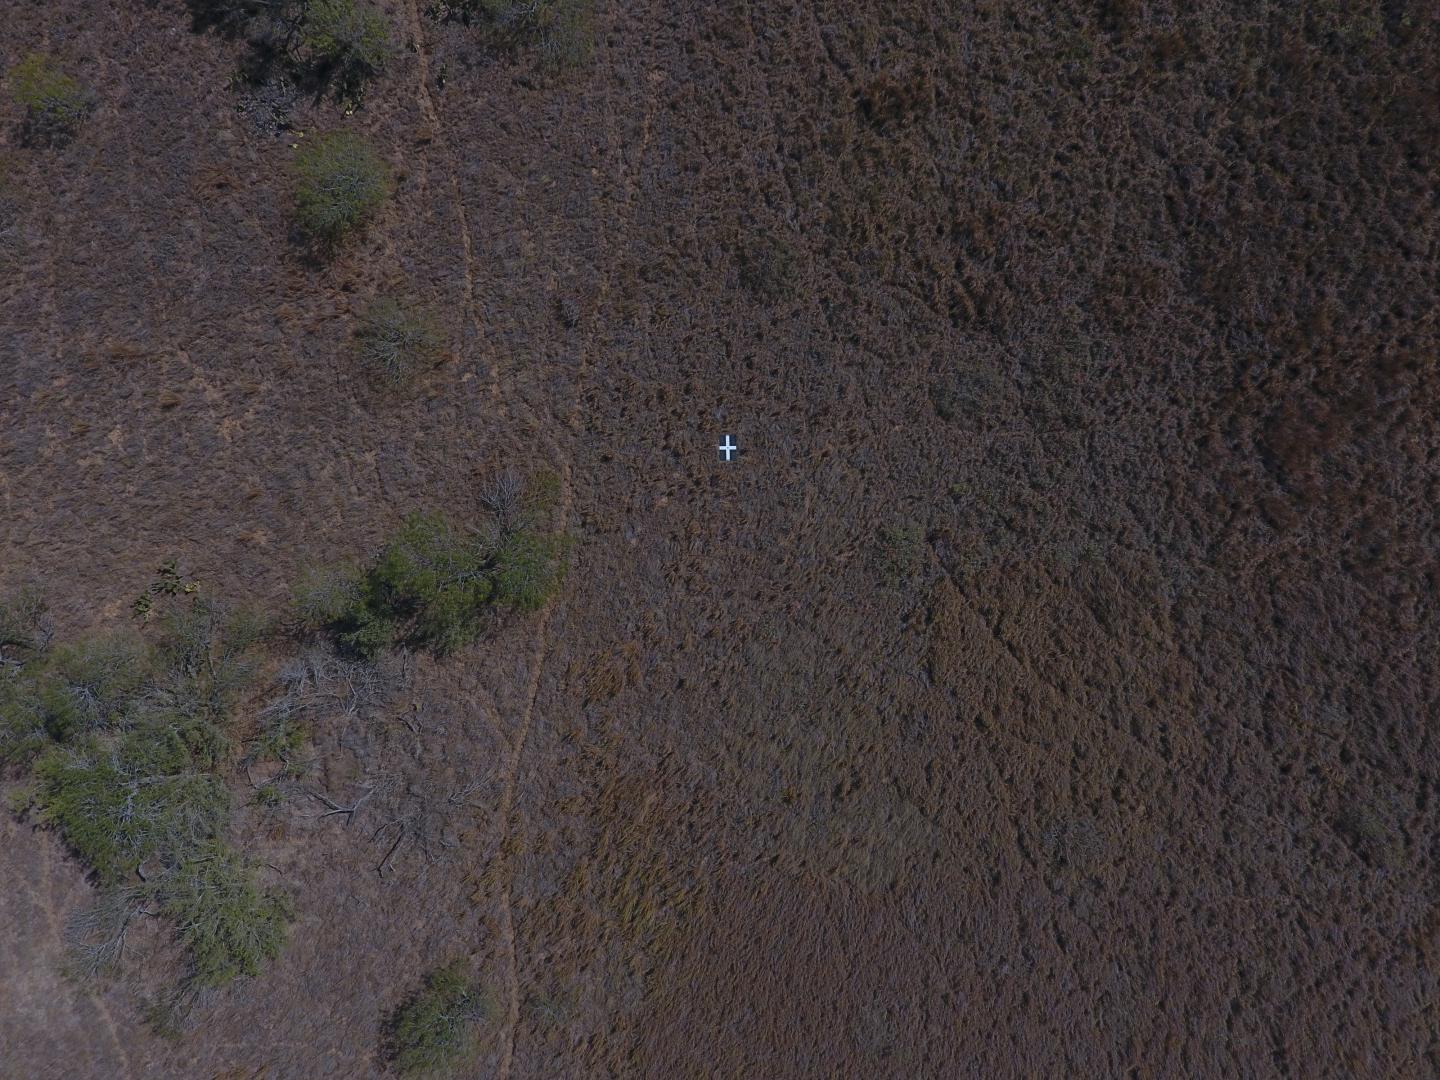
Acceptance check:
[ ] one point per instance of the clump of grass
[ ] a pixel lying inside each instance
(434, 1030)
(435, 585)
(55, 103)
(902, 552)
(351, 40)
(769, 267)
(395, 342)
(24, 626)
(341, 183)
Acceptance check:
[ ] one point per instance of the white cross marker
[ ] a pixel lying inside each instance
(727, 447)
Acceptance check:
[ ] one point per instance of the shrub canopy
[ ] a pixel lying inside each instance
(341, 182)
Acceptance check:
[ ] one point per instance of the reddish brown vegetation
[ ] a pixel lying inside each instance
(1130, 306)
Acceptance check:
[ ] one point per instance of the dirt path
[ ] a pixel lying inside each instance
(564, 460)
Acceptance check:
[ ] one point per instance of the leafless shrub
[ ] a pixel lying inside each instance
(95, 936)
(504, 496)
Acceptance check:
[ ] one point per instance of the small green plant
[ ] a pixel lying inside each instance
(341, 183)
(350, 39)
(55, 104)
(168, 582)
(434, 1030)
(395, 342)
(902, 552)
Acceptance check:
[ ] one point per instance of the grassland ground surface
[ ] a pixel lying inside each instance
(1004, 710)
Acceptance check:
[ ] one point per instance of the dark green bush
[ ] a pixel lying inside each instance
(341, 183)
(433, 578)
(55, 104)
(436, 586)
(434, 1030)
(119, 804)
(350, 39)
(395, 342)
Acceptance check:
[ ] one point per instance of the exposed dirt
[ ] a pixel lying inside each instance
(1130, 306)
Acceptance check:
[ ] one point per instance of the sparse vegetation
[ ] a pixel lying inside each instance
(124, 738)
(434, 1030)
(55, 103)
(395, 342)
(436, 585)
(341, 183)
(562, 30)
(902, 552)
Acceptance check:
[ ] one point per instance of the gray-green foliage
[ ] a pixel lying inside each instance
(228, 925)
(434, 1030)
(396, 341)
(123, 738)
(563, 31)
(350, 38)
(340, 183)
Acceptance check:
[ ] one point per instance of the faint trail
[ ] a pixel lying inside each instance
(563, 456)
(507, 805)
(542, 639)
(46, 900)
(432, 117)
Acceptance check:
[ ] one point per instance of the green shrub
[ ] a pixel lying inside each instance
(119, 804)
(349, 39)
(436, 586)
(325, 594)
(228, 926)
(341, 183)
(123, 739)
(529, 567)
(91, 685)
(396, 342)
(434, 577)
(435, 1029)
(206, 663)
(55, 104)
